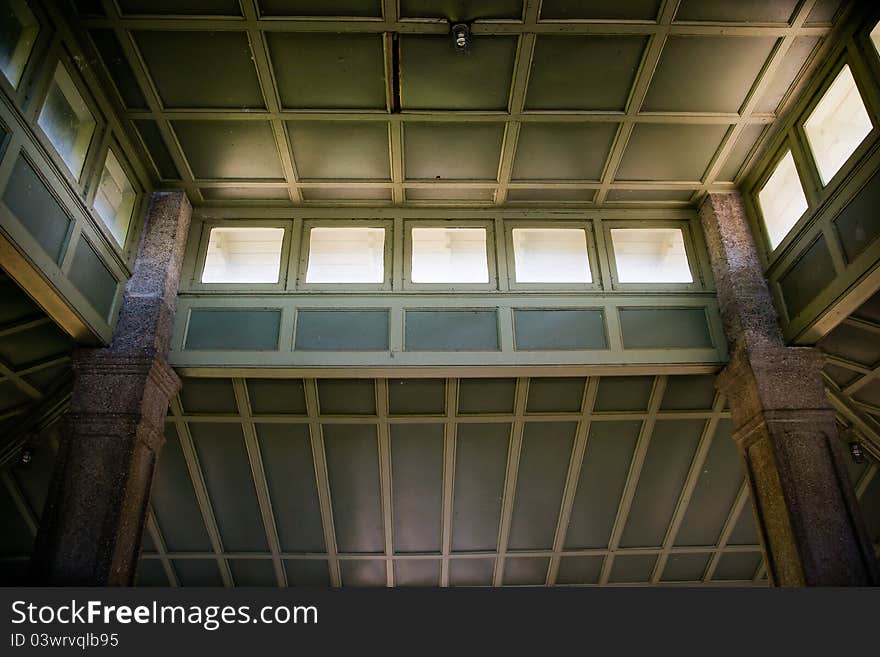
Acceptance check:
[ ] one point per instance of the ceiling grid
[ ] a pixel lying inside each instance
(477, 153)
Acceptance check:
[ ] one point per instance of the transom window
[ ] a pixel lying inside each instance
(243, 255)
(782, 200)
(346, 255)
(67, 121)
(650, 255)
(114, 200)
(18, 31)
(551, 255)
(449, 255)
(837, 125)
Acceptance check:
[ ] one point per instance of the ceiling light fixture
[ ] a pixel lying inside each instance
(461, 38)
(856, 451)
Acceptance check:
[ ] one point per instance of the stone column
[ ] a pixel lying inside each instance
(811, 528)
(93, 523)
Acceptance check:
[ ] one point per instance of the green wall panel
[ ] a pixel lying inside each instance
(338, 330)
(247, 330)
(451, 330)
(539, 330)
(37, 209)
(91, 277)
(858, 224)
(812, 273)
(664, 328)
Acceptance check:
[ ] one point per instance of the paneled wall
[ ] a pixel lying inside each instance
(52, 239)
(828, 263)
(396, 323)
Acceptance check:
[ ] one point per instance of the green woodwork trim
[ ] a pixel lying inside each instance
(46, 278)
(398, 222)
(850, 281)
(281, 356)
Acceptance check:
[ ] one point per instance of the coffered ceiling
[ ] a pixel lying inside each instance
(366, 102)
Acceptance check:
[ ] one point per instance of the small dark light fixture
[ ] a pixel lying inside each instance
(27, 455)
(461, 38)
(856, 451)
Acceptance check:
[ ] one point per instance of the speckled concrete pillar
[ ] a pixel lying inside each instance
(93, 523)
(810, 525)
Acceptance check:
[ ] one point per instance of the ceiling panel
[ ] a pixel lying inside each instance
(362, 8)
(230, 149)
(600, 9)
(562, 151)
(417, 472)
(480, 462)
(184, 67)
(461, 10)
(543, 464)
(188, 8)
(223, 457)
(435, 76)
(452, 151)
(290, 476)
(564, 75)
(346, 193)
(334, 149)
(670, 152)
(707, 74)
(343, 71)
(353, 472)
(552, 196)
(744, 11)
(417, 396)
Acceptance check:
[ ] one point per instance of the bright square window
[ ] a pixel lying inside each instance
(837, 125)
(18, 31)
(551, 255)
(782, 200)
(449, 255)
(243, 255)
(346, 255)
(67, 121)
(114, 200)
(650, 255)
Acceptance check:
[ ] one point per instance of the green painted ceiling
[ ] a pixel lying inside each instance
(34, 358)
(559, 102)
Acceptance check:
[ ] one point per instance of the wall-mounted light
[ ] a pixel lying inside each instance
(26, 456)
(461, 38)
(856, 451)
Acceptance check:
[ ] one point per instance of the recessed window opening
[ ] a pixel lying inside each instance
(346, 255)
(782, 200)
(837, 125)
(243, 255)
(650, 255)
(449, 255)
(551, 255)
(114, 200)
(67, 121)
(18, 31)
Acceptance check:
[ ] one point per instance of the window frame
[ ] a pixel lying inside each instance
(592, 255)
(78, 179)
(202, 253)
(800, 127)
(114, 148)
(487, 224)
(690, 250)
(305, 246)
(788, 145)
(36, 32)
